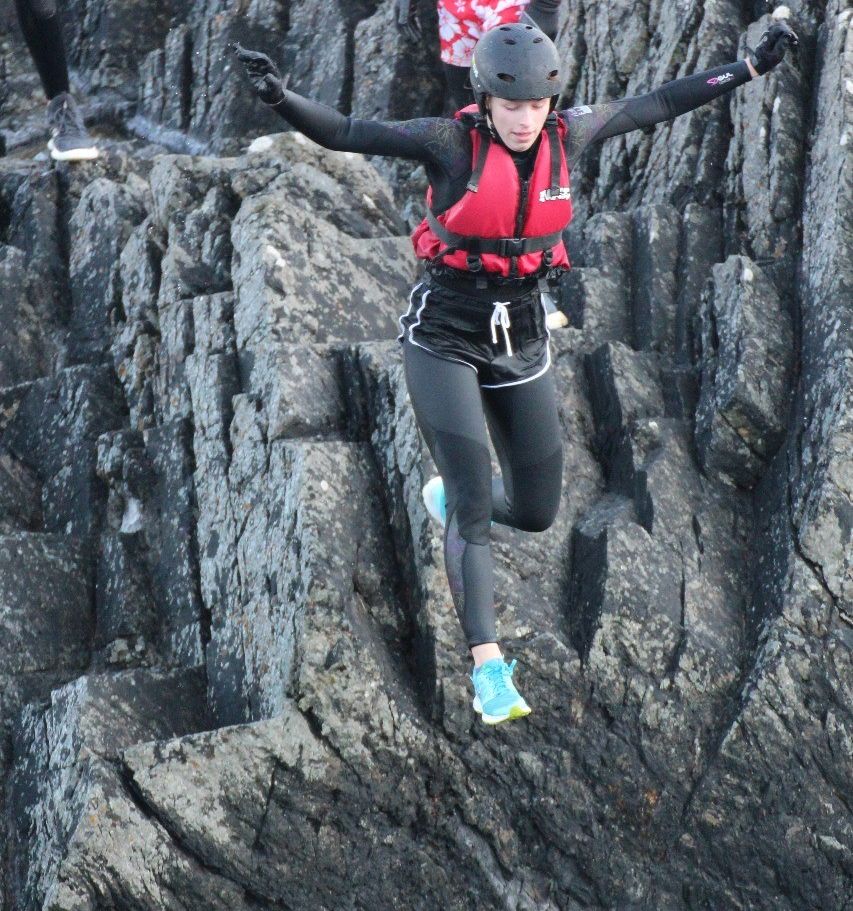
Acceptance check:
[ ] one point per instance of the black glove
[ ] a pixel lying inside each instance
(771, 47)
(264, 74)
(406, 17)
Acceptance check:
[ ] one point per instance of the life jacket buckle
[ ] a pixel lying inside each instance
(511, 246)
(474, 263)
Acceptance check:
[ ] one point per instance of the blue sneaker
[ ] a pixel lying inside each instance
(495, 697)
(434, 499)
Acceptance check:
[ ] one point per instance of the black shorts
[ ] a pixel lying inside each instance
(504, 342)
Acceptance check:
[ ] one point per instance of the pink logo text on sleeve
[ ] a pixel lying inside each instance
(719, 80)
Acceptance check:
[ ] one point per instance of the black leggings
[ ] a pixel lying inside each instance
(42, 28)
(452, 412)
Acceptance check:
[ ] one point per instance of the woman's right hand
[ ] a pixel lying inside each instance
(263, 73)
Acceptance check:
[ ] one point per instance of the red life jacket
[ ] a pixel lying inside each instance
(480, 230)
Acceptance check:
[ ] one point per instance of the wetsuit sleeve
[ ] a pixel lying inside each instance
(413, 139)
(589, 124)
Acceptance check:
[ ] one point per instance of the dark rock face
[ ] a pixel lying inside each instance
(747, 355)
(231, 673)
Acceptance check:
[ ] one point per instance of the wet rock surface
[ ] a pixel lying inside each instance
(231, 673)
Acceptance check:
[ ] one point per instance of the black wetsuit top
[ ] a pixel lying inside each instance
(444, 145)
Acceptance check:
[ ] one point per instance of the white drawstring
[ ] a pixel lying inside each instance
(500, 317)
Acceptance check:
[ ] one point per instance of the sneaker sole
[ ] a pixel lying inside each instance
(74, 154)
(436, 516)
(515, 711)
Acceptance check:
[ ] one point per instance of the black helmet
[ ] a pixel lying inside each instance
(515, 61)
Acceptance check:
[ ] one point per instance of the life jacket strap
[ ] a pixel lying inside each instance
(477, 173)
(554, 146)
(500, 246)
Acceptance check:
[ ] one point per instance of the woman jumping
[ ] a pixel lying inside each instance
(475, 343)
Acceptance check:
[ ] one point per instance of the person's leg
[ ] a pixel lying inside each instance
(525, 429)
(42, 28)
(448, 407)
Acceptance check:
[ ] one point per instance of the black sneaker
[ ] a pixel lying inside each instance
(69, 140)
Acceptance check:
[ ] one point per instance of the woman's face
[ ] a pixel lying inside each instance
(518, 123)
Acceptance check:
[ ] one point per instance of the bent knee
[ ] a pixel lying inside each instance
(539, 524)
(536, 520)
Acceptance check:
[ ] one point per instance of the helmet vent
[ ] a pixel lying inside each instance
(553, 74)
(505, 28)
(505, 77)
(538, 40)
(510, 41)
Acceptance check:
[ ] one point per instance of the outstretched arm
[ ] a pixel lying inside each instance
(397, 139)
(593, 123)
(413, 139)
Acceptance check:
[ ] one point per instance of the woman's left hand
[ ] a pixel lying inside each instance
(772, 46)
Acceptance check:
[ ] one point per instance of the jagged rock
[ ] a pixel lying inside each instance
(127, 879)
(222, 106)
(394, 79)
(598, 292)
(624, 389)
(690, 741)
(340, 187)
(306, 399)
(657, 576)
(747, 354)
(133, 339)
(794, 718)
(765, 159)
(128, 167)
(61, 748)
(316, 51)
(702, 246)
(20, 496)
(287, 769)
(100, 226)
(54, 433)
(167, 79)
(276, 562)
(169, 505)
(124, 603)
(23, 354)
(378, 403)
(32, 227)
(106, 39)
(820, 477)
(197, 212)
(679, 160)
(300, 278)
(656, 247)
(45, 615)
(612, 585)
